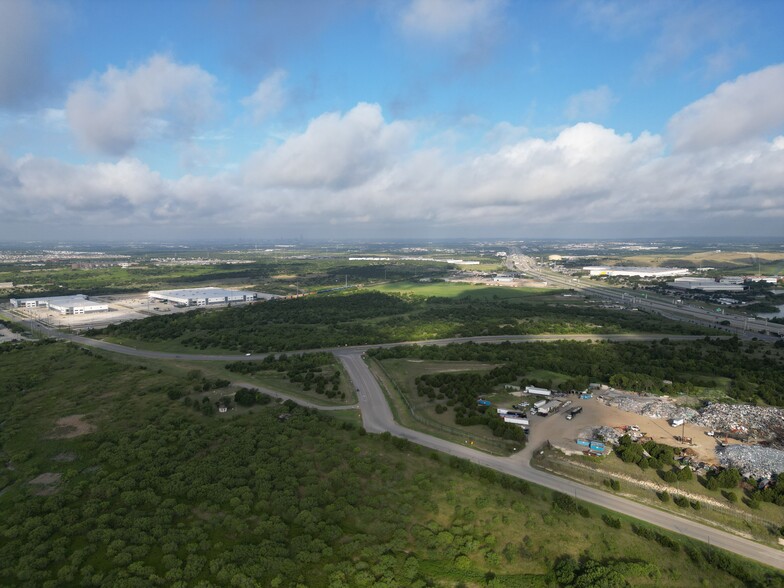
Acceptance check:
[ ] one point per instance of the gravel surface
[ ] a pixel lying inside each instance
(753, 461)
(742, 421)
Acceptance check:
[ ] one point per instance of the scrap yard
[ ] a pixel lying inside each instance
(750, 438)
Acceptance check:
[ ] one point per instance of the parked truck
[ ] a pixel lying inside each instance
(574, 412)
(516, 421)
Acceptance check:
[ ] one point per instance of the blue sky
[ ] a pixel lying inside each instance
(394, 118)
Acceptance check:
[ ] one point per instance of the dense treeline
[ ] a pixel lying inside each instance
(319, 371)
(670, 367)
(373, 317)
(460, 392)
(157, 494)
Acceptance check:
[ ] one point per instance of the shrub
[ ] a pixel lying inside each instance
(613, 522)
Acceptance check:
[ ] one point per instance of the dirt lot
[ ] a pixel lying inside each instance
(45, 484)
(7, 335)
(562, 432)
(71, 426)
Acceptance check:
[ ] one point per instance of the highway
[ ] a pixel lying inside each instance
(377, 418)
(747, 327)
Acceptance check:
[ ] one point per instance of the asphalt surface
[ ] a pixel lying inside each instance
(377, 418)
(747, 327)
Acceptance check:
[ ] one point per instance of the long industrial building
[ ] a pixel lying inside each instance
(76, 304)
(205, 296)
(641, 272)
(708, 284)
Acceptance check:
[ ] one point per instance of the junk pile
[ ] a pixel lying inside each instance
(753, 461)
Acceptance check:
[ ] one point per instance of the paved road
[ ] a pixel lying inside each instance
(377, 418)
(747, 327)
(300, 401)
(126, 350)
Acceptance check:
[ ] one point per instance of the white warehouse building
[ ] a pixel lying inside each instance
(642, 272)
(707, 285)
(76, 304)
(205, 296)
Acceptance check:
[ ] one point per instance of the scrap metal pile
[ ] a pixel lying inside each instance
(753, 461)
(759, 422)
(650, 406)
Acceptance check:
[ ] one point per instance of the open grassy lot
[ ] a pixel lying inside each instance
(725, 260)
(420, 413)
(110, 482)
(763, 523)
(453, 290)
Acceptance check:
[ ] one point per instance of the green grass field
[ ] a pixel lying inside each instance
(460, 290)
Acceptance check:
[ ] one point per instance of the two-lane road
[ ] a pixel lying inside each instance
(377, 418)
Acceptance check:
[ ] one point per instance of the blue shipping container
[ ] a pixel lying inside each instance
(586, 396)
(483, 402)
(584, 442)
(597, 446)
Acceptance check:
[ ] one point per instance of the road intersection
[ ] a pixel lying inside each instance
(377, 417)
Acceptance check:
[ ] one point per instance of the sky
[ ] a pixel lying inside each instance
(336, 119)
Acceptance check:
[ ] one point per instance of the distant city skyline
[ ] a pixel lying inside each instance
(217, 120)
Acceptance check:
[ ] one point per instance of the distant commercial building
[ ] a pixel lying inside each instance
(205, 296)
(641, 272)
(707, 284)
(76, 304)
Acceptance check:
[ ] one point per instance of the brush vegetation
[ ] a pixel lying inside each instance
(141, 490)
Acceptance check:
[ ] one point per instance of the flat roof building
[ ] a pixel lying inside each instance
(206, 296)
(706, 284)
(76, 304)
(642, 272)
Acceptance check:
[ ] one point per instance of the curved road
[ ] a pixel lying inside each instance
(377, 418)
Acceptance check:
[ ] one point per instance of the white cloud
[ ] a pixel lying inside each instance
(446, 19)
(334, 151)
(113, 112)
(745, 108)
(268, 98)
(360, 174)
(590, 104)
(468, 29)
(26, 32)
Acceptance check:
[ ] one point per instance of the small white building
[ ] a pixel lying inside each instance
(537, 391)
